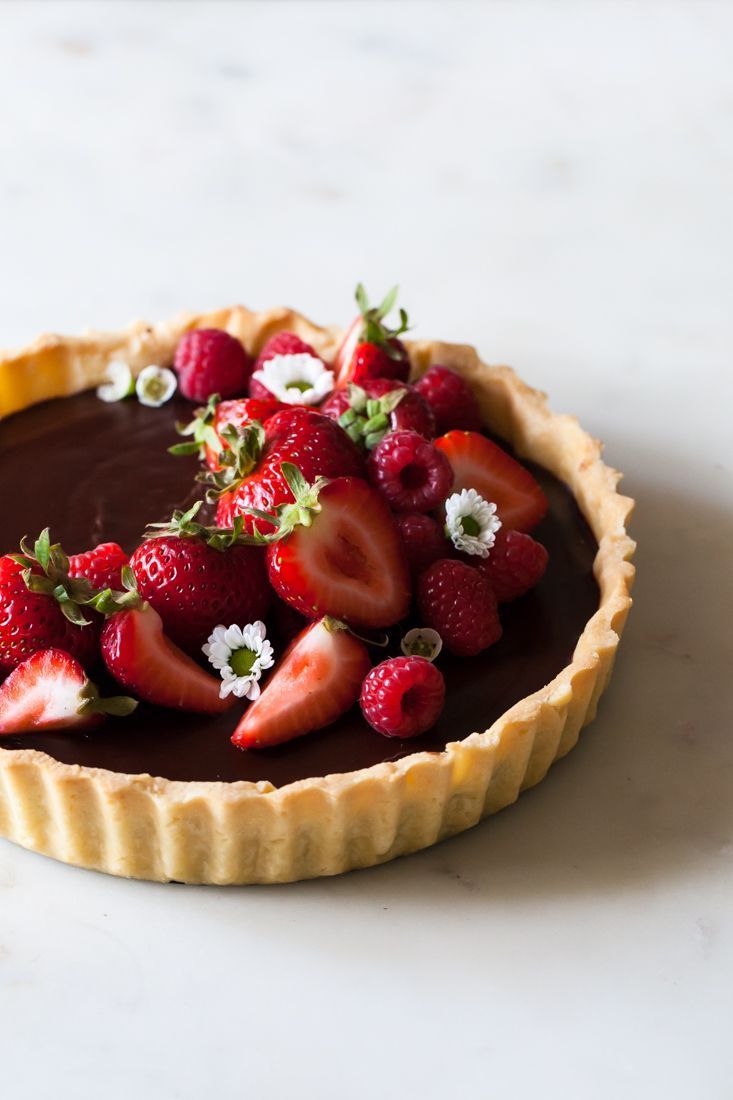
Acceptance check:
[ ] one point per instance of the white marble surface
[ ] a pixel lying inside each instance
(553, 183)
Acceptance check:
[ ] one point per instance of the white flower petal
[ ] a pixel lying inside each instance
(119, 382)
(422, 641)
(155, 385)
(234, 637)
(299, 379)
(483, 513)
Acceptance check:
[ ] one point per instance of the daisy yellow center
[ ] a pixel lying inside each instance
(470, 526)
(300, 386)
(241, 662)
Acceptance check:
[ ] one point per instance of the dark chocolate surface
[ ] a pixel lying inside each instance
(96, 473)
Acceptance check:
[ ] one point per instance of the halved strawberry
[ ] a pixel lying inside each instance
(50, 691)
(142, 659)
(370, 349)
(339, 553)
(317, 680)
(481, 465)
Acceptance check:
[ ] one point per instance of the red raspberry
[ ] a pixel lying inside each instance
(413, 414)
(403, 697)
(282, 343)
(423, 540)
(372, 361)
(459, 603)
(516, 563)
(101, 566)
(451, 399)
(209, 360)
(410, 473)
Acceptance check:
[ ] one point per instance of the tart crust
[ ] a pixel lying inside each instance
(147, 827)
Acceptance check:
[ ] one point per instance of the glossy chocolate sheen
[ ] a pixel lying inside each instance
(95, 473)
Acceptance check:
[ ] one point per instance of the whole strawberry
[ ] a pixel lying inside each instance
(516, 563)
(302, 436)
(101, 566)
(209, 360)
(458, 602)
(42, 607)
(207, 431)
(380, 405)
(451, 399)
(370, 349)
(199, 577)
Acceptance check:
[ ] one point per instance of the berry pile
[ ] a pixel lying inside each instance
(350, 505)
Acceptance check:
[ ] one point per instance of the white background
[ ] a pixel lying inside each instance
(552, 182)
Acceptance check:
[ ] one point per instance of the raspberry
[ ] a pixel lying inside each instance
(410, 473)
(372, 361)
(413, 414)
(209, 360)
(101, 566)
(423, 540)
(403, 697)
(451, 400)
(282, 343)
(516, 563)
(458, 602)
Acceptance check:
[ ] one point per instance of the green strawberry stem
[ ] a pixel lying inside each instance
(374, 330)
(241, 453)
(92, 702)
(71, 593)
(202, 431)
(366, 421)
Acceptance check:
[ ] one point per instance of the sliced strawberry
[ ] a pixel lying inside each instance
(142, 659)
(481, 465)
(317, 680)
(348, 346)
(50, 691)
(370, 349)
(348, 561)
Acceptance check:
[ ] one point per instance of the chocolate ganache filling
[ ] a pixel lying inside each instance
(96, 472)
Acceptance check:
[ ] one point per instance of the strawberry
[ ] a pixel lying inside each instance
(209, 436)
(50, 691)
(209, 360)
(100, 566)
(143, 660)
(337, 551)
(253, 479)
(197, 577)
(282, 343)
(481, 465)
(317, 680)
(370, 349)
(368, 412)
(42, 607)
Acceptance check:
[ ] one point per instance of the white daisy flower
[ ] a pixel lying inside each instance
(422, 642)
(471, 522)
(296, 379)
(239, 654)
(155, 385)
(118, 383)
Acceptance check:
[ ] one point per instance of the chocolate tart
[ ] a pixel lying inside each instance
(164, 795)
